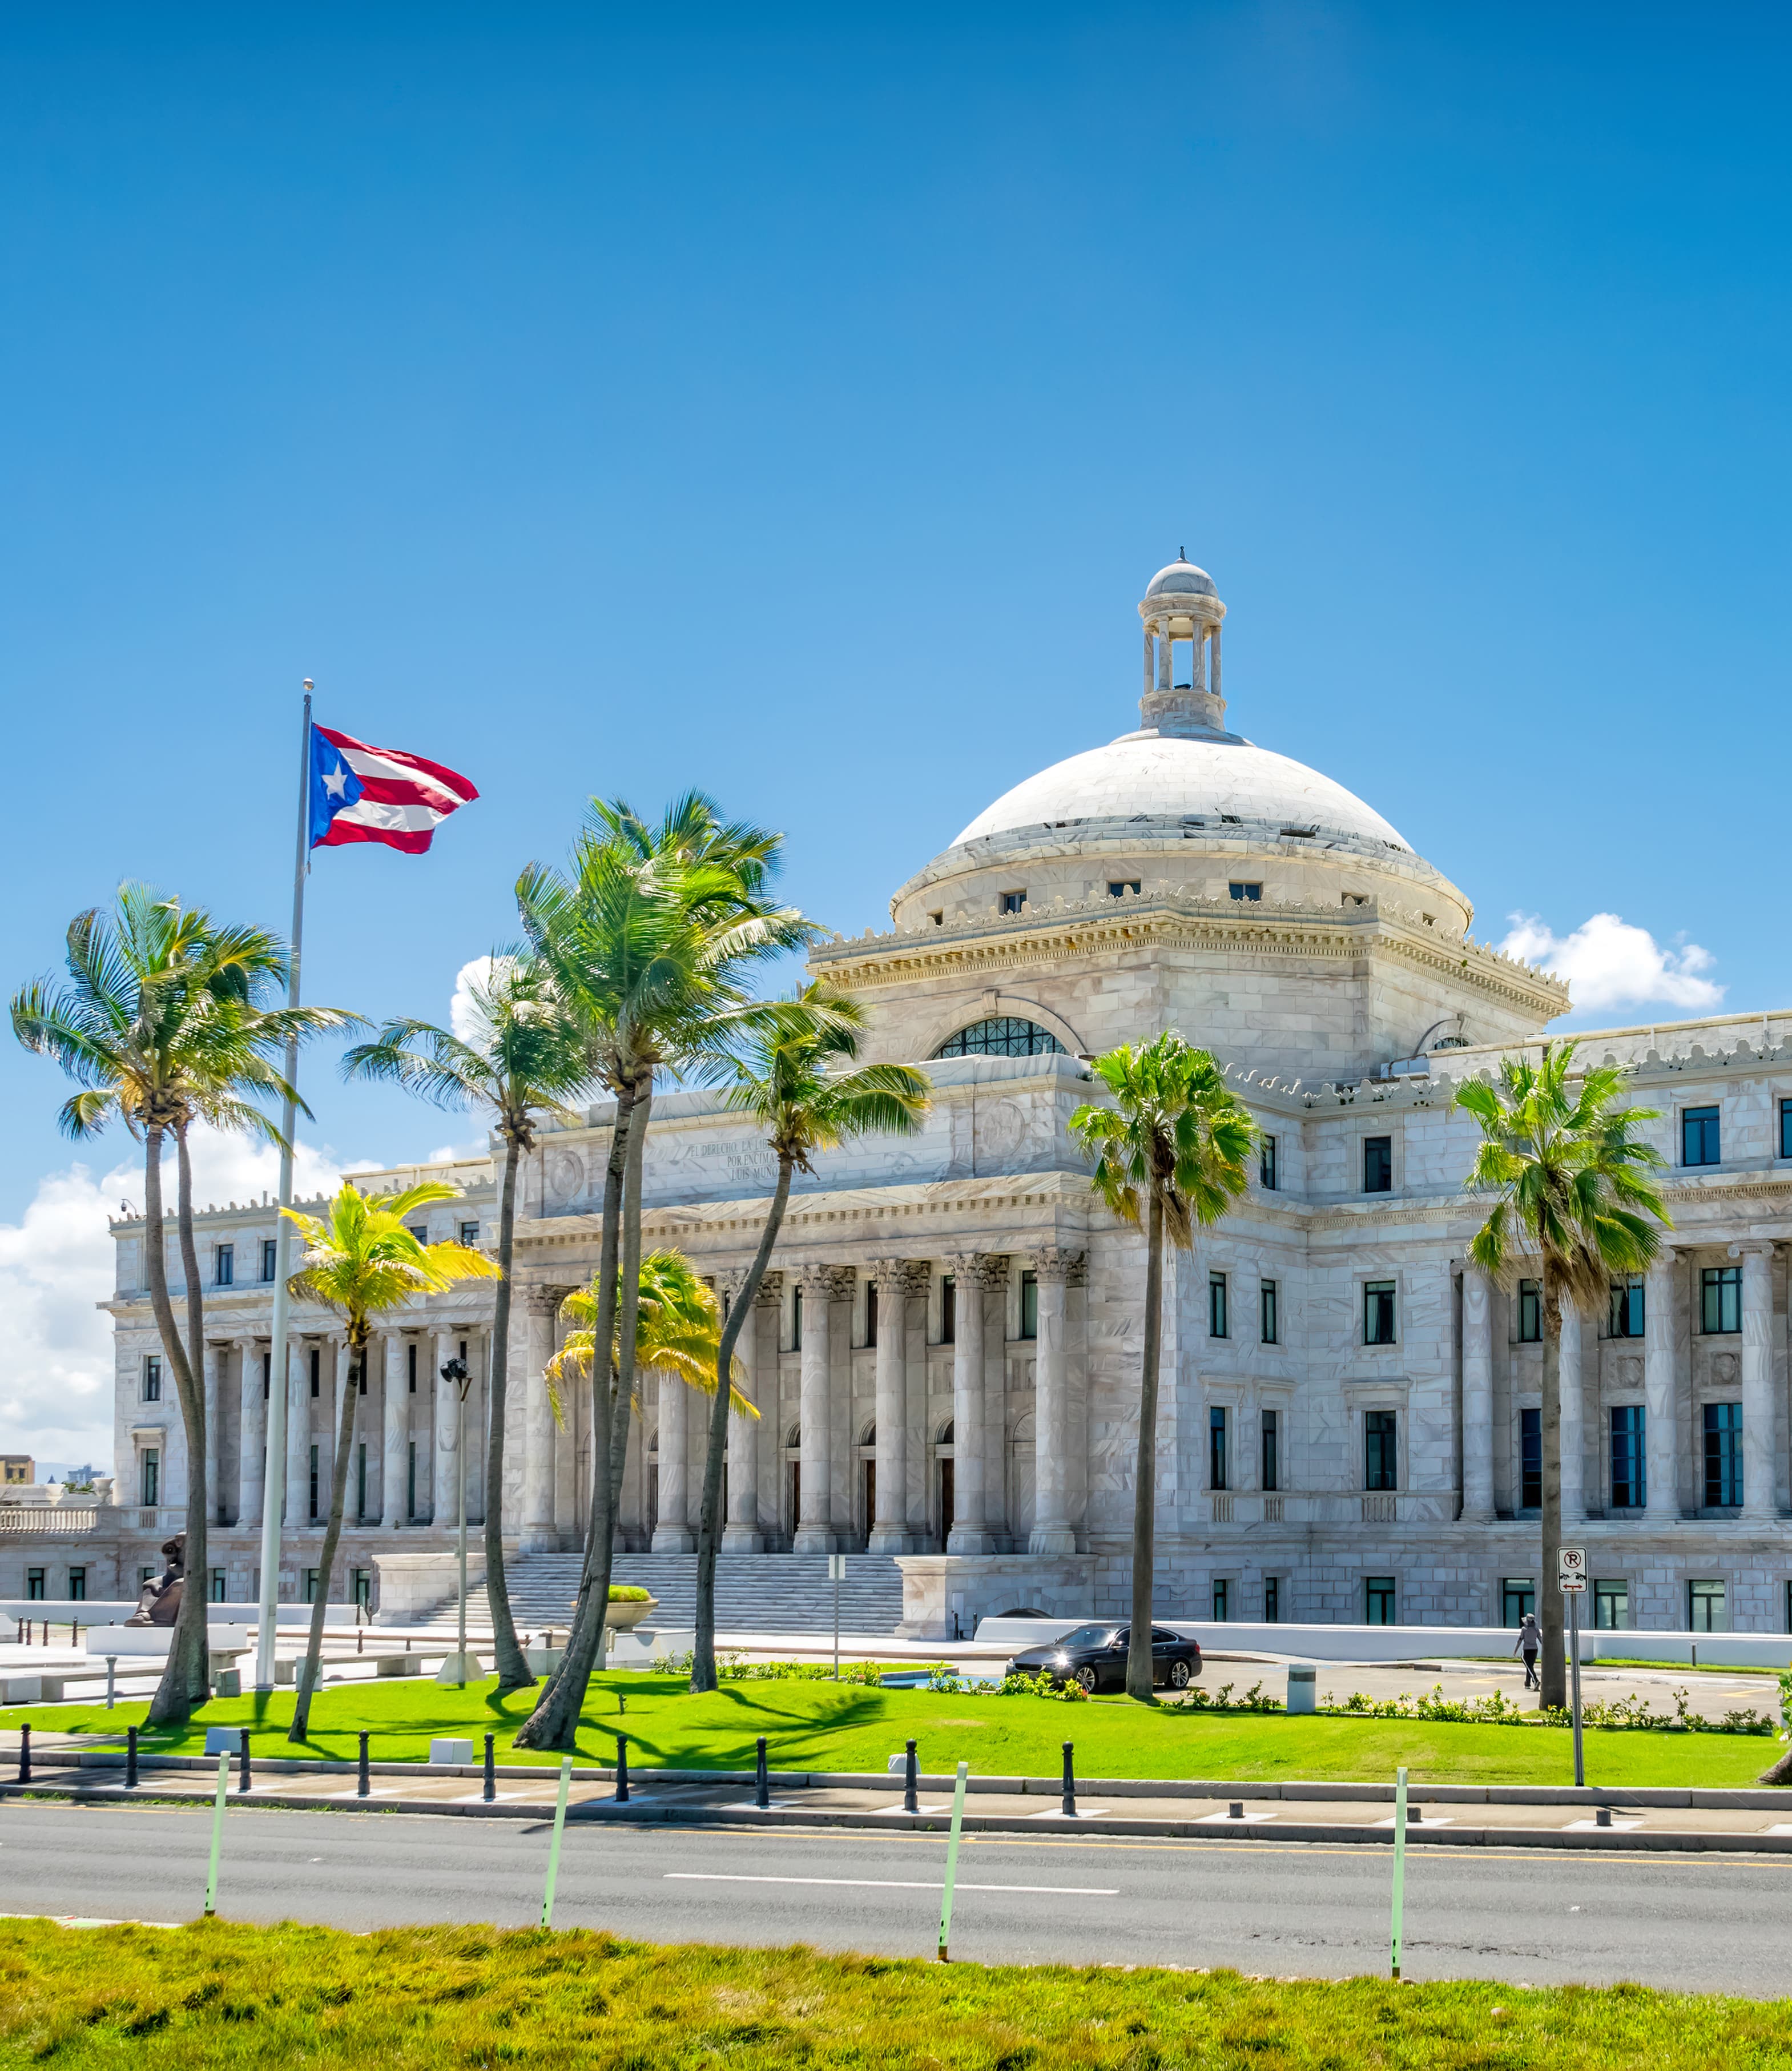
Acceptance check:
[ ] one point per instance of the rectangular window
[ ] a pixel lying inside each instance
(1630, 1489)
(224, 1269)
(1272, 1453)
(1217, 1321)
(362, 1579)
(151, 1477)
(1705, 1607)
(220, 1585)
(1785, 1129)
(1378, 1312)
(270, 1258)
(1381, 1453)
(1720, 1303)
(360, 1484)
(1378, 1600)
(267, 1377)
(948, 1308)
(1698, 1136)
(420, 1230)
(77, 1586)
(310, 1586)
(870, 1313)
(1266, 1164)
(317, 1372)
(1011, 902)
(1251, 892)
(34, 1585)
(152, 1379)
(1611, 1606)
(313, 1483)
(1723, 1454)
(411, 1483)
(1378, 1164)
(411, 1366)
(1517, 1600)
(1269, 1321)
(1628, 1313)
(470, 1233)
(1216, 1448)
(1119, 886)
(1530, 1313)
(1222, 1600)
(1530, 1450)
(1029, 1305)
(1272, 1601)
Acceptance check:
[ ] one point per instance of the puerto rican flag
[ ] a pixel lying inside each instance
(360, 794)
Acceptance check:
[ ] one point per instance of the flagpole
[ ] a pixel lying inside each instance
(273, 1478)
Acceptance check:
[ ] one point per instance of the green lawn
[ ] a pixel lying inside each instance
(852, 1726)
(148, 1999)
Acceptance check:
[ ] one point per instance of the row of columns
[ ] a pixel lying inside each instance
(1661, 1364)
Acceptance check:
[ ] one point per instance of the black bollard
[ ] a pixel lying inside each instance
(911, 1782)
(492, 1767)
(130, 1758)
(621, 1769)
(364, 1783)
(25, 1754)
(761, 1780)
(1070, 1779)
(242, 1768)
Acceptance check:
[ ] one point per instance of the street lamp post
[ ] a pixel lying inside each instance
(462, 1667)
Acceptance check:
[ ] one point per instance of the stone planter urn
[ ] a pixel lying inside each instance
(625, 1617)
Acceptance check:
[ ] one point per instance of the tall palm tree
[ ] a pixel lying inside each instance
(650, 939)
(361, 1259)
(678, 1329)
(1171, 1154)
(792, 1072)
(164, 1021)
(1578, 1208)
(523, 1060)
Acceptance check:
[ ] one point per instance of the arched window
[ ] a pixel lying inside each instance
(1001, 1035)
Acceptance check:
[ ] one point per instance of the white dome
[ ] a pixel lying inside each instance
(1182, 579)
(1165, 776)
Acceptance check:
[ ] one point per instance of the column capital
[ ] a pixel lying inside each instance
(542, 1300)
(1055, 1264)
(1753, 1246)
(828, 1283)
(898, 1277)
(987, 1269)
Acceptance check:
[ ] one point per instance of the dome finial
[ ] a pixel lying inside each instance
(1181, 605)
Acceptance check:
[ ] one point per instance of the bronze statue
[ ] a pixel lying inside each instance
(158, 1601)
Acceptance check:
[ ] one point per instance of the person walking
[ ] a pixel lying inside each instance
(1529, 1643)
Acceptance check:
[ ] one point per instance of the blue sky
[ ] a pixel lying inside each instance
(793, 402)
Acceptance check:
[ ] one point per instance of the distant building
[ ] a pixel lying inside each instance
(17, 1467)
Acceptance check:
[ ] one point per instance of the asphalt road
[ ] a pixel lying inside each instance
(1309, 1910)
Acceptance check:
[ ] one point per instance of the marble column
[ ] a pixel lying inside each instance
(740, 1531)
(822, 1286)
(333, 1378)
(1478, 1461)
(214, 1356)
(298, 1435)
(446, 1397)
(972, 1274)
(1053, 1530)
(538, 1534)
(1213, 663)
(1165, 681)
(1660, 1299)
(251, 1435)
(672, 1525)
(1759, 1496)
(394, 1479)
(1571, 1386)
(896, 1280)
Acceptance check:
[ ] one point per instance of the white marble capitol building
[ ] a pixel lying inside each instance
(946, 1361)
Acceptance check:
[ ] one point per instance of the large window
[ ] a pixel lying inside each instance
(1378, 1312)
(1001, 1035)
(1378, 1600)
(1517, 1599)
(1720, 1299)
(1628, 1313)
(150, 1477)
(77, 1586)
(1705, 1607)
(1723, 1454)
(1530, 1313)
(1216, 1448)
(1785, 1129)
(35, 1592)
(1222, 1599)
(1011, 902)
(270, 1258)
(1530, 1451)
(220, 1585)
(1029, 1305)
(1630, 1490)
(1272, 1600)
(1699, 1144)
(1250, 892)
(949, 1308)
(224, 1265)
(152, 1379)
(1380, 1451)
(1266, 1162)
(871, 1314)
(1217, 1319)
(1611, 1606)
(1272, 1452)
(1378, 1164)
(796, 1319)
(1268, 1319)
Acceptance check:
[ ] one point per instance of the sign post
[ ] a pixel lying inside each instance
(1572, 1580)
(837, 1574)
(1398, 1925)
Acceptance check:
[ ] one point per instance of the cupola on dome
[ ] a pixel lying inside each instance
(1181, 579)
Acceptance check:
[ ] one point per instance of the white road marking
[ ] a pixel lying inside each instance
(890, 1883)
(1226, 1819)
(1431, 1819)
(1082, 1812)
(1593, 1827)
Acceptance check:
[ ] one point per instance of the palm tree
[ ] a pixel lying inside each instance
(649, 940)
(1578, 1209)
(677, 1331)
(523, 1059)
(361, 1259)
(1171, 1152)
(162, 1023)
(792, 1073)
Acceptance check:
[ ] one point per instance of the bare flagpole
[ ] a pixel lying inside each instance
(274, 1477)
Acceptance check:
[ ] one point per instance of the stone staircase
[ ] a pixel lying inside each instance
(754, 1592)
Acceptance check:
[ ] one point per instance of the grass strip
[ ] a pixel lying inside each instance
(224, 1995)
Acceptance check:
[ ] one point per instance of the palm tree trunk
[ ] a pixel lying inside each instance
(189, 1641)
(332, 1533)
(554, 1722)
(1554, 1673)
(709, 1522)
(1144, 1483)
(173, 1702)
(513, 1671)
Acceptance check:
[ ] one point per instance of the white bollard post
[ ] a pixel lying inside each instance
(217, 1835)
(1400, 1872)
(554, 1846)
(952, 1859)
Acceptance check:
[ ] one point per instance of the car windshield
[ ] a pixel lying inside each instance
(1088, 1635)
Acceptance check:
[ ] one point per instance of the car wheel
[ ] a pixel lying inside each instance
(1086, 1677)
(1178, 1674)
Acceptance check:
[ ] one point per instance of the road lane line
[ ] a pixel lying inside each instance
(889, 1883)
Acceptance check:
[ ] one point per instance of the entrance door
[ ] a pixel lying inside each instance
(796, 1496)
(949, 1509)
(870, 1494)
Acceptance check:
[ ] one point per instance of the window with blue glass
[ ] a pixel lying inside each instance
(1699, 1143)
(1380, 1450)
(1268, 1312)
(1378, 1164)
(1216, 1316)
(1627, 1312)
(1785, 1129)
(1723, 1454)
(1517, 1600)
(1530, 1453)
(1378, 1600)
(1530, 1313)
(223, 1273)
(1705, 1607)
(1266, 1162)
(1720, 1300)
(270, 1258)
(1000, 1035)
(1216, 1448)
(1629, 1490)
(1378, 1312)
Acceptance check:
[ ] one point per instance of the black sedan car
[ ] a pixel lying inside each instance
(1095, 1655)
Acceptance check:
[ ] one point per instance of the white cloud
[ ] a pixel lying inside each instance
(1609, 963)
(465, 1015)
(56, 1263)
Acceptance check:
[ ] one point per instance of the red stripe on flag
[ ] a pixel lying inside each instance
(461, 788)
(340, 832)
